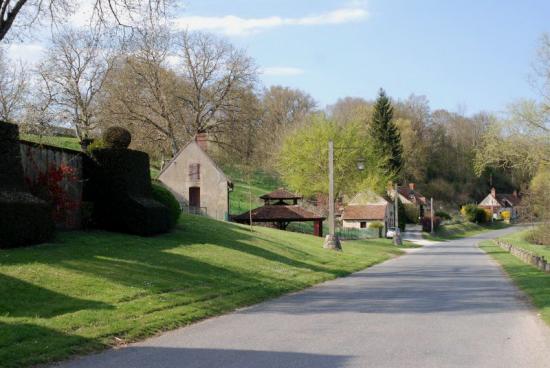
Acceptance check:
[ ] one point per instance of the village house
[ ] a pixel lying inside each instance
(498, 203)
(197, 182)
(409, 196)
(366, 208)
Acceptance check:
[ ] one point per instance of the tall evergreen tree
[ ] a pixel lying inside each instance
(385, 135)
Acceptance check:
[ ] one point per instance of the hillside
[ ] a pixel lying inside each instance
(62, 142)
(90, 290)
(258, 183)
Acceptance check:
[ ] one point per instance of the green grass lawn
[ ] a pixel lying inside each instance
(463, 230)
(535, 283)
(519, 239)
(90, 290)
(62, 142)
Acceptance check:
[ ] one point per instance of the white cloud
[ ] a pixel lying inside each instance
(232, 25)
(281, 71)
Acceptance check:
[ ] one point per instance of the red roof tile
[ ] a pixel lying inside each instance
(365, 212)
(278, 213)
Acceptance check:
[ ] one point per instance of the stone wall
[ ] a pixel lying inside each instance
(525, 255)
(38, 159)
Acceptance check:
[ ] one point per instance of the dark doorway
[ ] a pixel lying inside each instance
(194, 197)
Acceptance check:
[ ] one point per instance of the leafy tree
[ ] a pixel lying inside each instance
(385, 135)
(303, 161)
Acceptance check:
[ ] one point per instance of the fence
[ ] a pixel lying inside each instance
(343, 233)
(59, 172)
(525, 255)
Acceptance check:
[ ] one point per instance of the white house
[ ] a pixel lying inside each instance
(197, 182)
(497, 203)
(366, 208)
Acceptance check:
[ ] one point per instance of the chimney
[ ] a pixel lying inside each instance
(202, 141)
(493, 192)
(412, 186)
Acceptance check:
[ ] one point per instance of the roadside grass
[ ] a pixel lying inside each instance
(90, 290)
(519, 239)
(463, 230)
(535, 283)
(61, 142)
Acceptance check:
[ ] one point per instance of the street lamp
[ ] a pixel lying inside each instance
(331, 240)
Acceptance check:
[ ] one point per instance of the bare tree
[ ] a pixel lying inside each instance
(215, 74)
(25, 13)
(74, 72)
(13, 88)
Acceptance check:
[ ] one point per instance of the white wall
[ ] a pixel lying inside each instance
(212, 182)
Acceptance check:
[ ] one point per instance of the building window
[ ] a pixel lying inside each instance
(194, 172)
(363, 225)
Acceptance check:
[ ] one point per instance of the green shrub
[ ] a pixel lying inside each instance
(473, 213)
(376, 225)
(412, 214)
(96, 144)
(165, 197)
(117, 137)
(443, 215)
(402, 216)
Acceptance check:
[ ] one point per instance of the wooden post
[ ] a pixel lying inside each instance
(432, 215)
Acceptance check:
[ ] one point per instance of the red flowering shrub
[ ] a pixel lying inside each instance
(50, 186)
(427, 223)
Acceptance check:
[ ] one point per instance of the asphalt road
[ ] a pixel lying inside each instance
(445, 305)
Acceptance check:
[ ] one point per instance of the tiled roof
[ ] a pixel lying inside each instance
(412, 195)
(278, 213)
(513, 199)
(280, 193)
(365, 212)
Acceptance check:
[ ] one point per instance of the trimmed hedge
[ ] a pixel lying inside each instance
(24, 219)
(412, 213)
(443, 215)
(164, 196)
(427, 223)
(473, 213)
(120, 187)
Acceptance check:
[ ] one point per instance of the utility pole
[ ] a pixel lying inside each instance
(331, 240)
(397, 236)
(432, 215)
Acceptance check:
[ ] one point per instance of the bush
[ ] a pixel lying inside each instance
(505, 215)
(427, 223)
(402, 215)
(473, 213)
(443, 215)
(26, 220)
(96, 144)
(117, 137)
(376, 225)
(412, 214)
(165, 197)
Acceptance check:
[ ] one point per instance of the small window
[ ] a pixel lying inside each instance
(194, 172)
(363, 224)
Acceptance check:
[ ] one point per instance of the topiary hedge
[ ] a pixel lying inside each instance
(119, 185)
(24, 219)
(443, 215)
(164, 196)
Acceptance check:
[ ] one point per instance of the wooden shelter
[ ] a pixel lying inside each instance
(281, 208)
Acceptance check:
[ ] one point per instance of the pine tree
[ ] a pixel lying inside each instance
(385, 135)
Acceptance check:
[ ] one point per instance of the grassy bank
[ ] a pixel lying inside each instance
(535, 283)
(519, 239)
(463, 230)
(90, 290)
(62, 142)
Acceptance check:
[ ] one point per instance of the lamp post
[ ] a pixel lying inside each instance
(331, 240)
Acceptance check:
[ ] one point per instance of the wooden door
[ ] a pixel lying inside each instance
(194, 197)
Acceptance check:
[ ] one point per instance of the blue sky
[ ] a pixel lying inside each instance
(461, 54)
(468, 55)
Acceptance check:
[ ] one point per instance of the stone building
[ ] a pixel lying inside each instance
(197, 182)
(366, 208)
